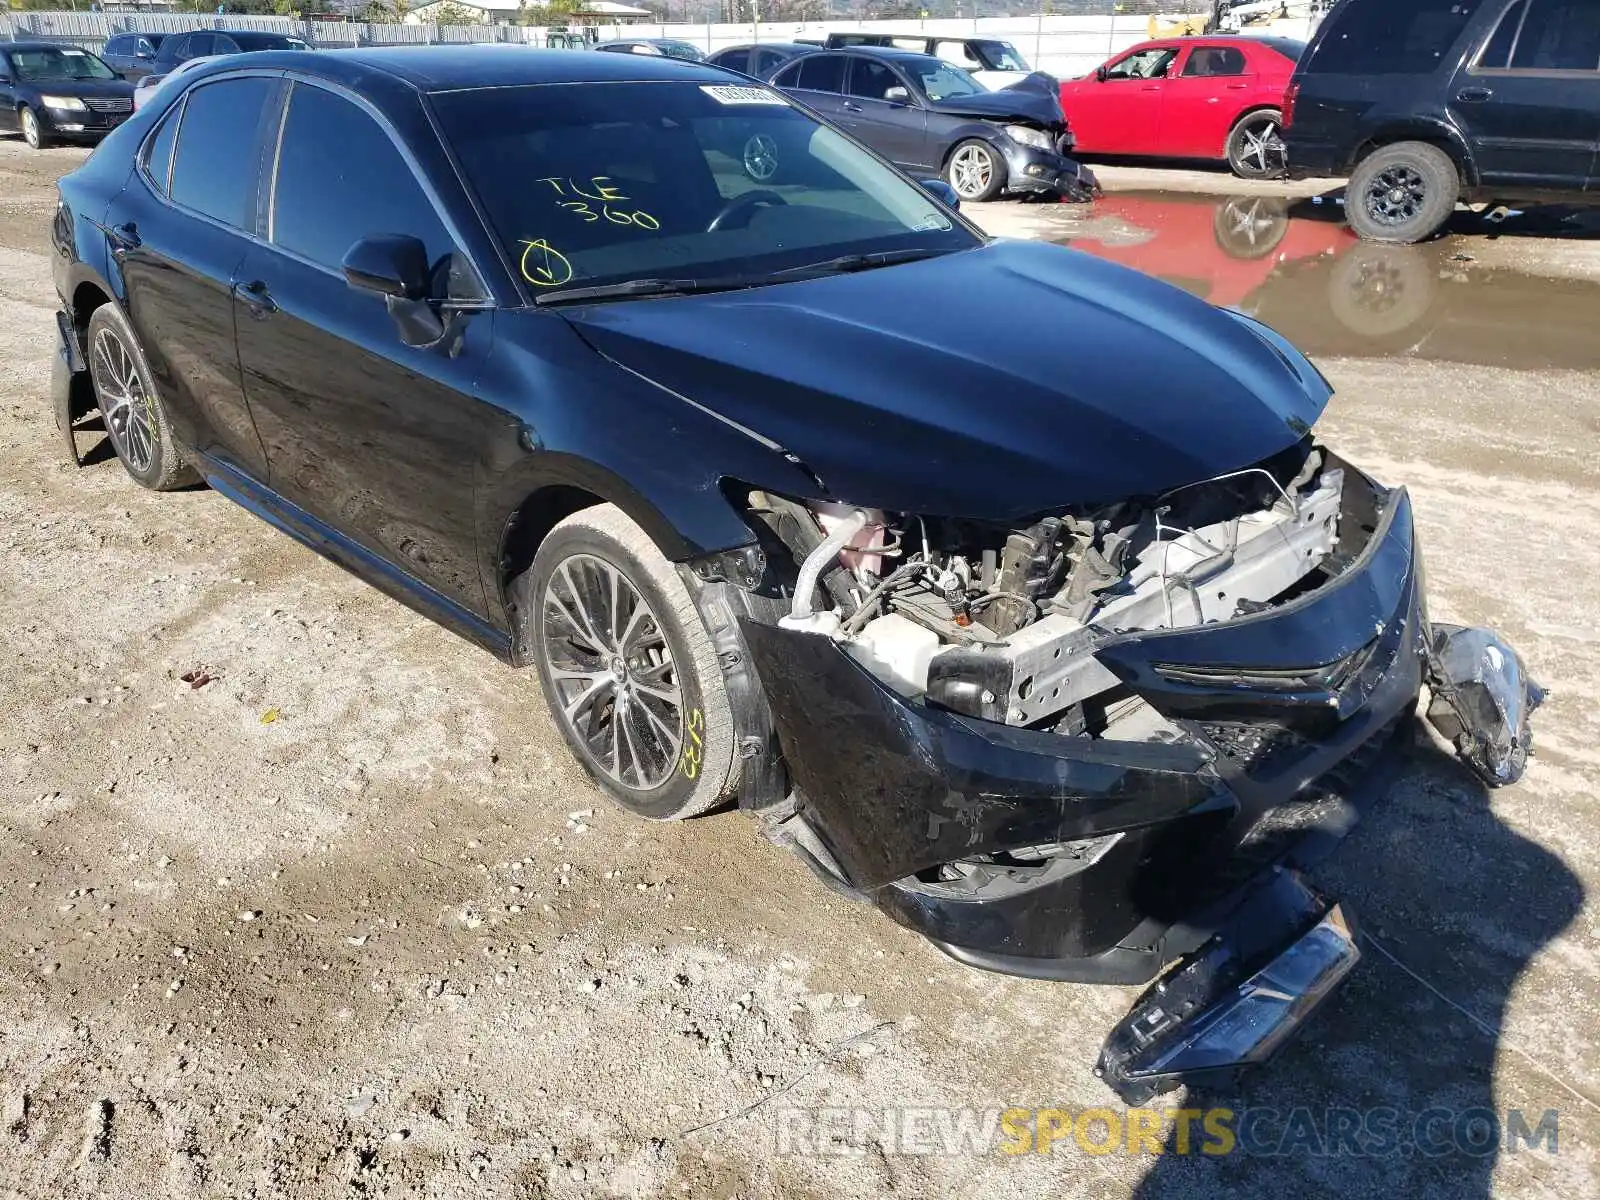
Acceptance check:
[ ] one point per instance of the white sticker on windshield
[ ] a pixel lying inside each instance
(733, 94)
(74, 54)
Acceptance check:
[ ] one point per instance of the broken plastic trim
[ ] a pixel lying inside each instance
(1482, 701)
(1237, 1000)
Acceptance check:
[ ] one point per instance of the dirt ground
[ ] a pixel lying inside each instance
(349, 922)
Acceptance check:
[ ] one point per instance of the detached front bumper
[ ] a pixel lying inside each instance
(1102, 861)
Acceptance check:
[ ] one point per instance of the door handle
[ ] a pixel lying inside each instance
(851, 106)
(1237, 87)
(1151, 87)
(1474, 95)
(255, 296)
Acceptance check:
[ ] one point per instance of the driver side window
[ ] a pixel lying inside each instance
(1143, 64)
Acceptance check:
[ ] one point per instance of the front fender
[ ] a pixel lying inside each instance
(1440, 130)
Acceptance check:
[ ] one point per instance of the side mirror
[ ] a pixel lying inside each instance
(1100, 74)
(942, 192)
(395, 267)
(897, 95)
(389, 264)
(145, 54)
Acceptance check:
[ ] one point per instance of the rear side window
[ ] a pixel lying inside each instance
(1215, 60)
(158, 155)
(199, 44)
(214, 165)
(736, 60)
(822, 73)
(1546, 35)
(767, 60)
(1381, 37)
(341, 179)
(117, 45)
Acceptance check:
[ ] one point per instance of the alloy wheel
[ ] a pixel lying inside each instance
(761, 157)
(30, 127)
(617, 687)
(971, 170)
(1261, 150)
(128, 409)
(1396, 195)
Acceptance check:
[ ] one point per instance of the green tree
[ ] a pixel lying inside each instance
(451, 13)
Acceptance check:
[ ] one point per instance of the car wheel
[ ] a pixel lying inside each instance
(976, 171)
(627, 667)
(32, 131)
(1247, 227)
(1255, 147)
(130, 405)
(1402, 193)
(760, 157)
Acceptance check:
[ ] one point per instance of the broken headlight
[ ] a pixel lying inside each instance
(1024, 136)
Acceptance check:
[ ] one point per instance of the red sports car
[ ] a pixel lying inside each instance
(1188, 97)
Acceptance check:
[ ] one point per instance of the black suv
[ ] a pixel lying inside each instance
(1427, 102)
(203, 43)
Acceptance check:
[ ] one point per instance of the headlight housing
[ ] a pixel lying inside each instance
(64, 103)
(1024, 136)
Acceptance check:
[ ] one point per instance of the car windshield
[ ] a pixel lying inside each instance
(50, 63)
(610, 182)
(942, 81)
(1000, 56)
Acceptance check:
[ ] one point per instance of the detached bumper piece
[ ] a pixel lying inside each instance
(71, 391)
(1237, 1000)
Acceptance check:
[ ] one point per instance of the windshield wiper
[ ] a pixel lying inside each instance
(644, 287)
(847, 263)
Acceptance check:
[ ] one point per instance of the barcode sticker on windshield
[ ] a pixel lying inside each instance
(733, 94)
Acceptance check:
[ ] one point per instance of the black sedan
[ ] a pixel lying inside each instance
(59, 93)
(804, 496)
(671, 47)
(758, 59)
(925, 115)
(131, 54)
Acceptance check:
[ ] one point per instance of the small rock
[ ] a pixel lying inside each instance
(249, 914)
(358, 941)
(583, 814)
(362, 1104)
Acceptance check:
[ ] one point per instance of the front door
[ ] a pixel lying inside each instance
(1530, 105)
(1121, 114)
(188, 213)
(375, 438)
(895, 128)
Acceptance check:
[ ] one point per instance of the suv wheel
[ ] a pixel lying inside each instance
(1402, 193)
(1255, 147)
(627, 667)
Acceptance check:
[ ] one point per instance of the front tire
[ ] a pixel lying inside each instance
(32, 128)
(976, 171)
(1255, 147)
(130, 406)
(627, 667)
(1402, 193)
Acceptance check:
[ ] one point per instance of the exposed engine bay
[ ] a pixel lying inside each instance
(1002, 624)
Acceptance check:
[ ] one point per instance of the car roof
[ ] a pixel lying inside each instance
(457, 68)
(772, 46)
(243, 36)
(892, 53)
(33, 45)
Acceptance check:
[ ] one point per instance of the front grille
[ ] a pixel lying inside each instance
(115, 104)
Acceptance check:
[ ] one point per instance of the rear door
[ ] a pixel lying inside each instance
(188, 216)
(1206, 91)
(896, 129)
(817, 80)
(1529, 103)
(377, 439)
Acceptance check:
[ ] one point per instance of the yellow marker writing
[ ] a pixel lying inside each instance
(543, 265)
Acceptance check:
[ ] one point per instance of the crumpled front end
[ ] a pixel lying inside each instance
(1094, 769)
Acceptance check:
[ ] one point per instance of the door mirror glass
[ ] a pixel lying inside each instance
(942, 192)
(389, 264)
(897, 95)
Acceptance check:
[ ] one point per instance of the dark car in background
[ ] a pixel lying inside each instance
(59, 93)
(1427, 103)
(205, 43)
(1009, 587)
(992, 62)
(759, 59)
(132, 55)
(670, 47)
(925, 115)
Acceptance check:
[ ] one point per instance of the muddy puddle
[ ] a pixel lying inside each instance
(1296, 266)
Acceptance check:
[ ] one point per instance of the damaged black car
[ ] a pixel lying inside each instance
(1011, 589)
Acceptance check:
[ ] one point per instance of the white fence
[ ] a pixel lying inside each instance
(1064, 45)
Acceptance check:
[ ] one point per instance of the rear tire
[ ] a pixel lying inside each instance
(627, 667)
(130, 406)
(1402, 193)
(1255, 147)
(976, 171)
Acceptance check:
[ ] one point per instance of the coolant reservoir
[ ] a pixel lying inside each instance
(897, 651)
